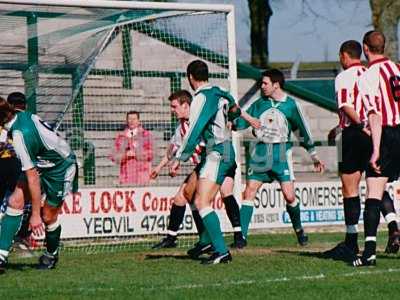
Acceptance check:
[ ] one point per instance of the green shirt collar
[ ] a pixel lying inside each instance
(203, 87)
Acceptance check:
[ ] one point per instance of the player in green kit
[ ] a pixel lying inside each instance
(270, 157)
(50, 167)
(209, 113)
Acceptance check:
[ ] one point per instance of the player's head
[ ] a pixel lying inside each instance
(7, 111)
(373, 43)
(180, 103)
(132, 119)
(349, 53)
(197, 72)
(272, 81)
(17, 100)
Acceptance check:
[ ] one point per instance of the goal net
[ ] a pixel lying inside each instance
(83, 66)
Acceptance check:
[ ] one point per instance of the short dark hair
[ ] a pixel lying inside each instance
(183, 96)
(275, 75)
(375, 41)
(133, 112)
(352, 48)
(17, 99)
(198, 69)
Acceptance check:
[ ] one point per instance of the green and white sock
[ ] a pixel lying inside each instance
(213, 227)
(293, 210)
(53, 233)
(204, 238)
(10, 225)
(246, 212)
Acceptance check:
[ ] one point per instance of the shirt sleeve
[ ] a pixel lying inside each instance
(175, 141)
(241, 123)
(304, 134)
(343, 91)
(368, 85)
(234, 110)
(21, 149)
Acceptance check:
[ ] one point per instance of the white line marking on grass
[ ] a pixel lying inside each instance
(280, 279)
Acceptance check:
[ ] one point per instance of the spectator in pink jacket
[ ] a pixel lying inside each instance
(133, 150)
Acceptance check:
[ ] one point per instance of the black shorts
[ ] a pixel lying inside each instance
(389, 155)
(10, 171)
(231, 172)
(355, 150)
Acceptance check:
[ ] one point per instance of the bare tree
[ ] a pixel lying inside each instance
(385, 18)
(260, 14)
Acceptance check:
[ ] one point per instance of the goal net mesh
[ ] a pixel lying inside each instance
(82, 70)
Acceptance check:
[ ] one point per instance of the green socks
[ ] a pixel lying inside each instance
(293, 210)
(53, 233)
(213, 228)
(9, 227)
(246, 212)
(204, 238)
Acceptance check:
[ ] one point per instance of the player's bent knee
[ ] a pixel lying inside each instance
(289, 199)
(350, 189)
(49, 219)
(200, 203)
(289, 196)
(249, 193)
(49, 216)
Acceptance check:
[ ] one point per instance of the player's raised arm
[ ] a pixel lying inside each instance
(246, 120)
(253, 122)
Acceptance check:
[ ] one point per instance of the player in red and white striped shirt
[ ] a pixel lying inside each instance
(380, 90)
(180, 107)
(347, 92)
(355, 147)
(177, 138)
(180, 104)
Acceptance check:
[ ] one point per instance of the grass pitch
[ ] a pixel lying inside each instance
(271, 267)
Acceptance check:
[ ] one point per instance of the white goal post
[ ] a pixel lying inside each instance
(84, 64)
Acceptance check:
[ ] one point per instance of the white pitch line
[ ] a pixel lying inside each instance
(280, 279)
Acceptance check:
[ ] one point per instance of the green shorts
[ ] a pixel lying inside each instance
(216, 167)
(280, 168)
(57, 182)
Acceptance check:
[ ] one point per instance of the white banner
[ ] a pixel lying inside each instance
(138, 211)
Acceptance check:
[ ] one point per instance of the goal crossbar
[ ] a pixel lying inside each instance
(125, 4)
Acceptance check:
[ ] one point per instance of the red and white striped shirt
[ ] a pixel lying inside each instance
(380, 90)
(347, 94)
(177, 138)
